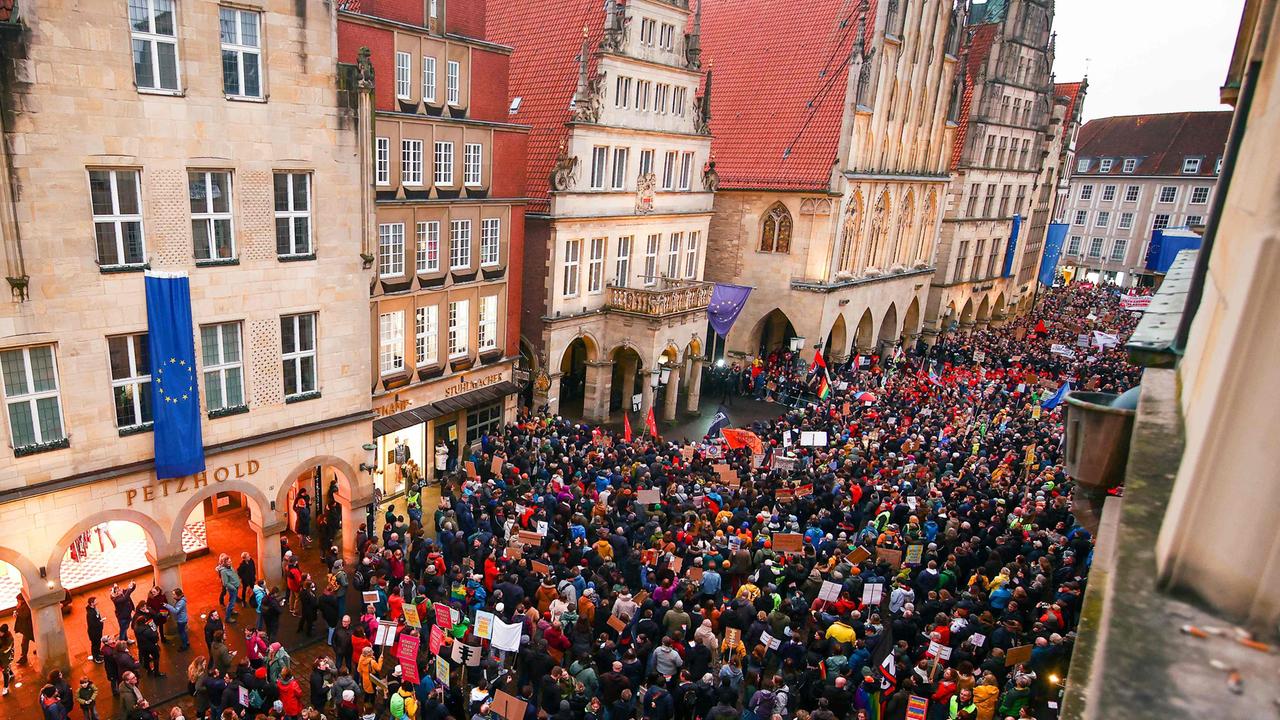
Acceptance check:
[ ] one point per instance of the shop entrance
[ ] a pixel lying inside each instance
(447, 435)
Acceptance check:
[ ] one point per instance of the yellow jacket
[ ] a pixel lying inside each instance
(367, 666)
(985, 697)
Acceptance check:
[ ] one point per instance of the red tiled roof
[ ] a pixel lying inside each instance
(1071, 91)
(1160, 142)
(547, 37)
(779, 75)
(978, 40)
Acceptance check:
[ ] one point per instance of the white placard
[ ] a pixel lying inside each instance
(978, 639)
(507, 637)
(813, 438)
(386, 634)
(542, 528)
(830, 591)
(872, 593)
(786, 439)
(769, 641)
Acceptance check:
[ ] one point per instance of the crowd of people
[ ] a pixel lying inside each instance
(907, 536)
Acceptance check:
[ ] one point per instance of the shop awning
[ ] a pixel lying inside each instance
(448, 406)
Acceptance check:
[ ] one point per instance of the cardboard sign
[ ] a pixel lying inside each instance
(411, 616)
(788, 542)
(675, 564)
(687, 452)
(830, 591)
(914, 554)
(650, 496)
(727, 474)
(891, 556)
(471, 470)
(370, 597)
(732, 636)
(858, 556)
(1018, 655)
(640, 597)
(508, 706)
(695, 574)
(529, 537)
(540, 567)
(804, 491)
(616, 623)
(484, 624)
(872, 593)
(496, 465)
(513, 552)
(845, 409)
(784, 494)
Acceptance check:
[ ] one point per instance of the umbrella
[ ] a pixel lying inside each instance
(865, 397)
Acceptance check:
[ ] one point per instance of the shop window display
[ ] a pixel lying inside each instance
(401, 456)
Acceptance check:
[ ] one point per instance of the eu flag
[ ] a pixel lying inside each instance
(175, 390)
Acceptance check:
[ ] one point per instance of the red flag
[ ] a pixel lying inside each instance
(818, 361)
(736, 438)
(1040, 328)
(626, 427)
(651, 423)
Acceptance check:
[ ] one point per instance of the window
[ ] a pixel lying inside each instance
(459, 327)
(31, 396)
(595, 266)
(977, 259)
(391, 250)
(642, 94)
(1082, 217)
(210, 195)
(293, 213)
(1160, 222)
(961, 260)
(223, 366)
(484, 420)
(974, 191)
(1126, 221)
(619, 168)
(599, 159)
(1168, 193)
(646, 162)
(996, 244)
(410, 162)
(988, 203)
(402, 75)
(989, 155)
(669, 170)
(451, 83)
(648, 34)
(241, 52)
(382, 161)
(1022, 198)
(459, 244)
(1095, 247)
(1131, 193)
(1004, 201)
(1199, 195)
(487, 324)
(155, 45)
(1108, 193)
(444, 163)
(1073, 245)
(622, 92)
(1194, 220)
(1086, 192)
(1190, 166)
(691, 255)
(426, 328)
(490, 241)
(428, 254)
(666, 38)
(622, 265)
(472, 157)
(572, 256)
(1104, 165)
(678, 96)
(116, 199)
(775, 233)
(651, 260)
(1102, 220)
(130, 379)
(1082, 165)
(298, 353)
(390, 342)
(1129, 165)
(428, 79)
(686, 170)
(660, 98)
(434, 8)
(673, 255)
(1118, 249)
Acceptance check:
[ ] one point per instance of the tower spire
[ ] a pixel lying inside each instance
(693, 41)
(580, 94)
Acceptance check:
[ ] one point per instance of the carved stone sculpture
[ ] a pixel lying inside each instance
(588, 108)
(565, 171)
(645, 186)
(364, 69)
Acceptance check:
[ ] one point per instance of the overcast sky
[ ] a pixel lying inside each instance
(1146, 56)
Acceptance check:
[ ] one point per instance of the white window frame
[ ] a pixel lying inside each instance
(648, 31)
(673, 254)
(218, 367)
(404, 71)
(622, 263)
(459, 328)
(1095, 242)
(686, 171)
(646, 162)
(300, 353)
(299, 242)
(1073, 245)
(1104, 165)
(117, 219)
(1108, 193)
(691, 255)
(452, 72)
(1132, 193)
(427, 252)
(652, 244)
(1199, 190)
(595, 265)
(622, 92)
(1193, 220)
(1160, 194)
(487, 323)
(390, 250)
(1121, 244)
(391, 342)
(211, 217)
(1128, 165)
(138, 379)
(660, 92)
(490, 241)
(1102, 220)
(243, 51)
(444, 162)
(426, 326)
(31, 397)
(1191, 166)
(1086, 192)
(678, 95)
(1082, 165)
(382, 161)
(619, 168)
(670, 158)
(428, 78)
(1081, 218)
(155, 39)
(1125, 222)
(1155, 221)
(411, 162)
(599, 166)
(472, 164)
(459, 244)
(666, 36)
(643, 88)
(572, 259)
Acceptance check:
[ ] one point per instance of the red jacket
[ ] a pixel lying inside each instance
(290, 696)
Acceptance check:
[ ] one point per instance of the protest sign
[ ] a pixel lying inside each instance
(804, 491)
(732, 636)
(640, 597)
(649, 496)
(542, 528)
(471, 470)
(484, 625)
(891, 556)
(687, 452)
(385, 634)
(442, 670)
(872, 593)
(540, 567)
(508, 706)
(616, 623)
(979, 357)
(409, 672)
(918, 707)
(444, 616)
(788, 542)
(506, 636)
(496, 465)
(411, 615)
(529, 537)
(769, 641)
(244, 696)
(784, 463)
(435, 640)
(978, 639)
(830, 591)
(784, 494)
(370, 597)
(813, 438)
(675, 564)
(1017, 655)
(914, 555)
(513, 552)
(468, 655)
(858, 555)
(407, 653)
(695, 574)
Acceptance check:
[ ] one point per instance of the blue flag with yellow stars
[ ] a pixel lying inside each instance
(175, 387)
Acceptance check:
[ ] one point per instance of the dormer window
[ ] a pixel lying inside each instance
(1130, 164)
(1190, 166)
(1104, 165)
(1082, 165)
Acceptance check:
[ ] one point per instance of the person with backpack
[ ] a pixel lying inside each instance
(763, 702)
(657, 703)
(404, 703)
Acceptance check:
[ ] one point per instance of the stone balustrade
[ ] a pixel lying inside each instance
(669, 297)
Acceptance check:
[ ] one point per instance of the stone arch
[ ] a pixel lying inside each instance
(588, 341)
(529, 354)
(863, 337)
(260, 511)
(998, 308)
(837, 345)
(888, 327)
(31, 582)
(906, 222)
(346, 477)
(775, 229)
(772, 331)
(850, 229)
(984, 310)
(911, 323)
(966, 315)
(694, 348)
(158, 539)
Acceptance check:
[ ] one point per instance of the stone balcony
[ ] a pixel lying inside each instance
(668, 297)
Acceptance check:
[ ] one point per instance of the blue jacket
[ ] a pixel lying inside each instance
(178, 610)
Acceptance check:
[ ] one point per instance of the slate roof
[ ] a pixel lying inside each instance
(779, 75)
(1160, 142)
(547, 37)
(978, 41)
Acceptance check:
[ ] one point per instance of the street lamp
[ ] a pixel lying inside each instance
(370, 450)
